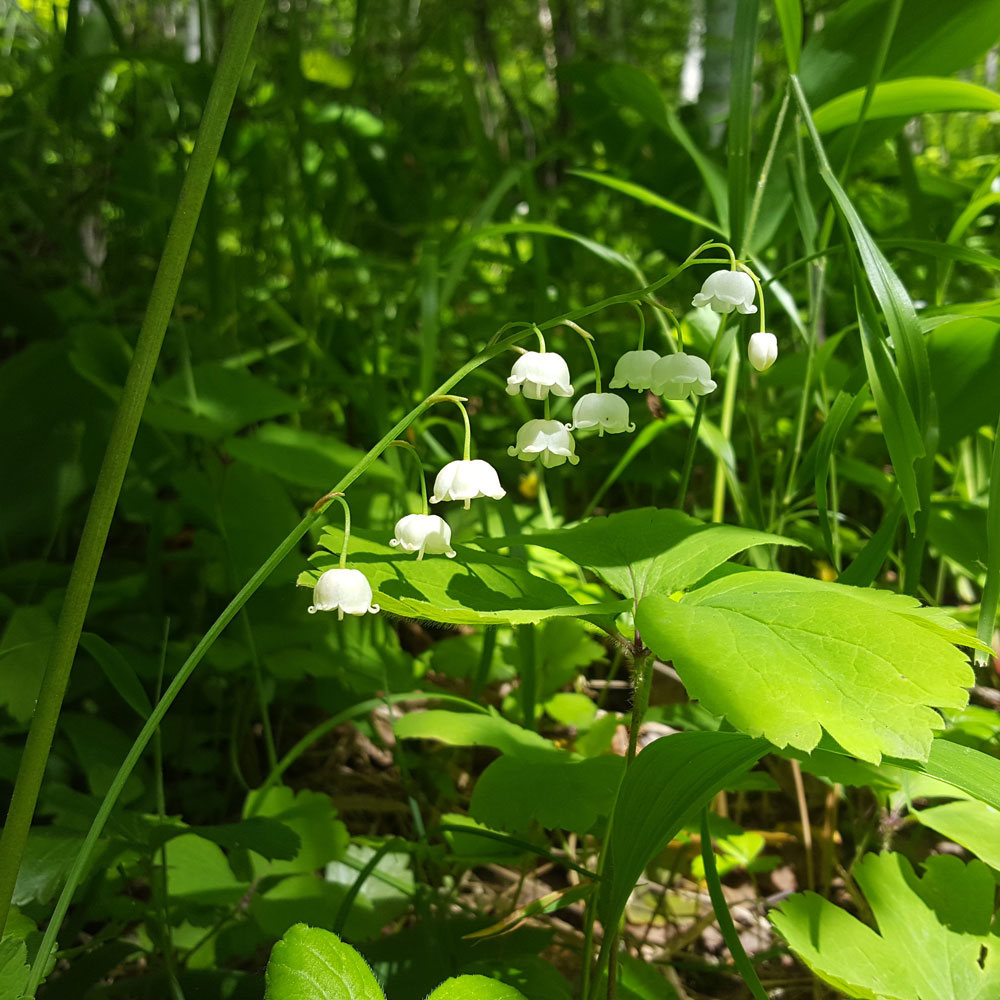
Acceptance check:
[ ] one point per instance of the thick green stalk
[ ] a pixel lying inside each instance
(119, 450)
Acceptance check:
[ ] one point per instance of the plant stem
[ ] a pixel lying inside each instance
(642, 681)
(119, 449)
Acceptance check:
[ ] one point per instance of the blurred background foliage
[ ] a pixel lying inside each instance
(398, 180)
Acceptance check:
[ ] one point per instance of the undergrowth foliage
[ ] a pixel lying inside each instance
(700, 631)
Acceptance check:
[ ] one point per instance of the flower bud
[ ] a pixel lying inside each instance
(538, 374)
(343, 590)
(548, 440)
(604, 410)
(724, 291)
(634, 369)
(680, 375)
(466, 480)
(762, 350)
(423, 533)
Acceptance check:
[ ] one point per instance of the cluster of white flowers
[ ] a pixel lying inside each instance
(536, 375)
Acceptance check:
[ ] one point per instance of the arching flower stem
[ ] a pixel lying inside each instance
(589, 341)
(760, 292)
(642, 324)
(400, 443)
(460, 402)
(541, 339)
(347, 528)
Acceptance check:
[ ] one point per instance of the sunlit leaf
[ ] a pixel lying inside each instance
(785, 657)
(309, 963)
(933, 939)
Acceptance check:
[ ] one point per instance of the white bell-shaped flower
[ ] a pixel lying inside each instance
(678, 376)
(424, 534)
(548, 440)
(635, 370)
(466, 480)
(604, 410)
(343, 590)
(762, 350)
(724, 291)
(536, 375)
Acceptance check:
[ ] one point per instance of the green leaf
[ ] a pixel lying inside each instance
(119, 672)
(647, 197)
(302, 457)
(667, 783)
(990, 599)
(914, 95)
(321, 66)
(474, 589)
(934, 936)
(964, 358)
(782, 656)
(267, 837)
(197, 870)
(48, 856)
(973, 824)
(475, 988)
(471, 730)
(24, 653)
(648, 550)
(309, 815)
(964, 767)
(14, 968)
(790, 20)
(555, 791)
(216, 402)
(309, 963)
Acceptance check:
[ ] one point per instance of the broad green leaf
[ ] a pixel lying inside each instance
(303, 457)
(790, 20)
(533, 781)
(556, 791)
(667, 783)
(648, 550)
(784, 657)
(475, 588)
(14, 968)
(475, 988)
(321, 66)
(931, 39)
(933, 939)
(216, 402)
(99, 748)
(309, 963)
(197, 870)
(914, 95)
(973, 824)
(119, 672)
(24, 653)
(965, 357)
(467, 729)
(957, 530)
(48, 856)
(263, 835)
(647, 197)
(386, 893)
(309, 815)
(964, 767)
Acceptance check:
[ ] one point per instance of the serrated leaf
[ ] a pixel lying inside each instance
(785, 657)
(476, 588)
(933, 936)
(912, 95)
(14, 970)
(475, 988)
(649, 550)
(309, 963)
(667, 783)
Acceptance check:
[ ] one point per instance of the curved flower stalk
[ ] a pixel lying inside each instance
(547, 440)
(343, 590)
(537, 373)
(724, 291)
(425, 534)
(762, 350)
(346, 591)
(680, 375)
(467, 480)
(635, 370)
(604, 410)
